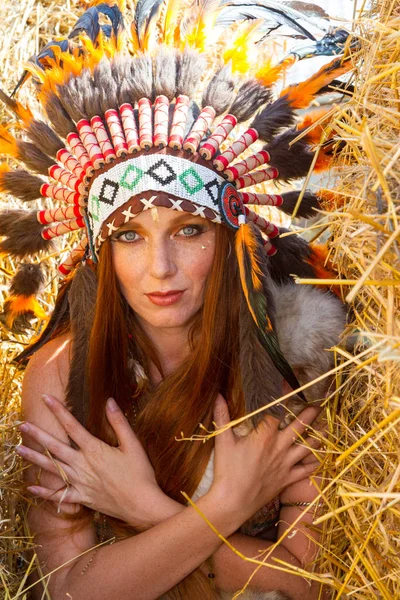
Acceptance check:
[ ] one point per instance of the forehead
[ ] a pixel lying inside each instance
(159, 217)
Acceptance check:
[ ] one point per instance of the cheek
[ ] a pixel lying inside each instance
(197, 261)
(127, 270)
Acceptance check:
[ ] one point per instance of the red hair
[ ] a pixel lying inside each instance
(184, 398)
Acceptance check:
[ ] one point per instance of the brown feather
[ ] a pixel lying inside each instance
(20, 184)
(82, 299)
(27, 280)
(34, 159)
(22, 233)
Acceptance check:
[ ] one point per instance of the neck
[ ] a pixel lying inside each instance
(171, 345)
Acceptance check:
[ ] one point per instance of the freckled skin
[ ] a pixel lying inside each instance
(162, 252)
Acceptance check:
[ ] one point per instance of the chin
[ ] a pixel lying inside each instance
(168, 317)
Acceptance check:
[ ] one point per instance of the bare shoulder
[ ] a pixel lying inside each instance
(47, 372)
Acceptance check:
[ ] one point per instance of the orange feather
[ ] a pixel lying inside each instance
(19, 305)
(301, 94)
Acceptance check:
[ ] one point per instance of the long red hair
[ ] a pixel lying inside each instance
(185, 398)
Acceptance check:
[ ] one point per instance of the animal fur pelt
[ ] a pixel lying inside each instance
(308, 323)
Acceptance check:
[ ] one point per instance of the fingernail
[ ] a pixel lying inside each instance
(24, 427)
(47, 400)
(32, 490)
(20, 450)
(112, 405)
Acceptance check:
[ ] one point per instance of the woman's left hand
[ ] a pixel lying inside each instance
(117, 481)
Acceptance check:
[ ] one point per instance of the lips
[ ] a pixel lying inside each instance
(165, 298)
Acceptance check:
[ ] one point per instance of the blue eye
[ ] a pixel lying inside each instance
(191, 230)
(127, 236)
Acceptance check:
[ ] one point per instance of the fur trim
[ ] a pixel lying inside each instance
(291, 259)
(44, 137)
(142, 76)
(292, 162)
(22, 233)
(308, 323)
(220, 91)
(104, 82)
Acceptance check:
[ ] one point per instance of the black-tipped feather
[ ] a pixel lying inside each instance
(292, 161)
(250, 97)
(290, 259)
(273, 118)
(309, 204)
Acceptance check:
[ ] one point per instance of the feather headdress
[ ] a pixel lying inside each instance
(156, 106)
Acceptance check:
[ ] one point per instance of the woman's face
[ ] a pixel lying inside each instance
(162, 259)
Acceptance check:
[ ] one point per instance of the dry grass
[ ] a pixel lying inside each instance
(361, 542)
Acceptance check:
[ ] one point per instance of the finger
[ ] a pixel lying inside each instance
(299, 425)
(69, 496)
(120, 424)
(299, 451)
(55, 446)
(222, 418)
(300, 472)
(48, 464)
(72, 427)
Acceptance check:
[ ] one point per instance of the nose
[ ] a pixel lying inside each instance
(161, 259)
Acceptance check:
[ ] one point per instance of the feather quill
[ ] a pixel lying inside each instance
(251, 276)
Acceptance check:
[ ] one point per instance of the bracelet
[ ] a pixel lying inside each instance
(319, 505)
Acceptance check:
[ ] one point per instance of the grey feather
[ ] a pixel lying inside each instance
(58, 116)
(27, 281)
(142, 77)
(71, 100)
(107, 86)
(44, 137)
(191, 66)
(165, 67)
(220, 91)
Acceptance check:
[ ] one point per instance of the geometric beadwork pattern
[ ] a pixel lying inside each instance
(173, 175)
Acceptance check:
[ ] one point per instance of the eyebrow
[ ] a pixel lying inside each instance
(180, 218)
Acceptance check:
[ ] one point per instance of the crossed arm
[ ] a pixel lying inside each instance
(177, 540)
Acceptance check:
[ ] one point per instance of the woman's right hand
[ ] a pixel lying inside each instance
(251, 471)
(117, 481)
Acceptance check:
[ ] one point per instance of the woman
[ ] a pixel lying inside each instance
(170, 322)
